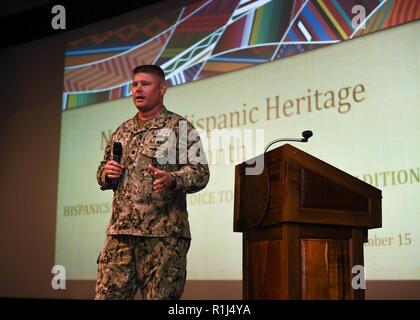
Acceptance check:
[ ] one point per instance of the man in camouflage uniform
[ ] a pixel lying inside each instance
(148, 236)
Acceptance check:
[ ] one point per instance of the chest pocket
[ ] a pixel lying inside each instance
(161, 156)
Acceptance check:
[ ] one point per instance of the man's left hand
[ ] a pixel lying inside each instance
(164, 180)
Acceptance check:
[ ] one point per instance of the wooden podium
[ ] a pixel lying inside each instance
(304, 223)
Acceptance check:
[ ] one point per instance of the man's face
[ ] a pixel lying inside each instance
(148, 91)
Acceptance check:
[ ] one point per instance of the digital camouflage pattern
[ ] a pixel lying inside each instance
(148, 236)
(137, 209)
(156, 266)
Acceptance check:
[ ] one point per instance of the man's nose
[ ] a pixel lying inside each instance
(139, 88)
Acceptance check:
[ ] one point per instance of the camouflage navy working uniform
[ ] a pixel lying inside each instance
(148, 236)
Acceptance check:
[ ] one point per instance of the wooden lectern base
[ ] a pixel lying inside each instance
(293, 261)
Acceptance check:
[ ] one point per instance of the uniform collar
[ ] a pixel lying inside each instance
(156, 123)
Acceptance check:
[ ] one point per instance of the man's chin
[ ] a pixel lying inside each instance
(141, 107)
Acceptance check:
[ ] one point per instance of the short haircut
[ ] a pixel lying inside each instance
(150, 68)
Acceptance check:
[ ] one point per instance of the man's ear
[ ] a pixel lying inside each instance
(163, 88)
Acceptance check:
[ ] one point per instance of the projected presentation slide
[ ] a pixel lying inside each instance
(359, 97)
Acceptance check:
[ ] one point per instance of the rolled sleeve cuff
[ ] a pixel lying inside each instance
(177, 180)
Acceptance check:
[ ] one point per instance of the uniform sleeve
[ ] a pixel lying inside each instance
(194, 173)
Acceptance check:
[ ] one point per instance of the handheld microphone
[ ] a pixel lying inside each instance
(116, 156)
(305, 134)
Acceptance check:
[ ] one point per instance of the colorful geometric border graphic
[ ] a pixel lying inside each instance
(212, 37)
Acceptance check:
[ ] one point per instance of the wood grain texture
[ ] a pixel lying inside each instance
(304, 223)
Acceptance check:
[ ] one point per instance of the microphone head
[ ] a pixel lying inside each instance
(307, 134)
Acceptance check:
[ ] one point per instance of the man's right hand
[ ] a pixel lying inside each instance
(113, 169)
